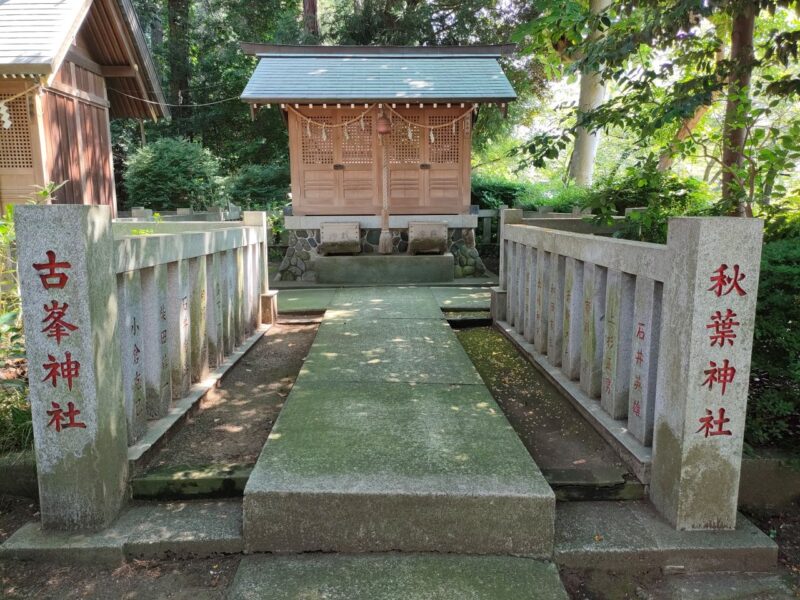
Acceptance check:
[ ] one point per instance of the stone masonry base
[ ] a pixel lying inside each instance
(303, 244)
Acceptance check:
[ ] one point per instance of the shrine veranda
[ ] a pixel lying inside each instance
(389, 440)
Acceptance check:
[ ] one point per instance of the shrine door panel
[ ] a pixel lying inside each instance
(445, 158)
(406, 177)
(312, 166)
(356, 167)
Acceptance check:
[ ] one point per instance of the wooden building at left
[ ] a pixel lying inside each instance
(66, 68)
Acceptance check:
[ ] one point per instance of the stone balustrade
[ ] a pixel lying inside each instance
(651, 343)
(120, 323)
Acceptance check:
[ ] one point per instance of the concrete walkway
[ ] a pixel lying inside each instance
(390, 441)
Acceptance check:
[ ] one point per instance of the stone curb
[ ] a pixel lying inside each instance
(174, 530)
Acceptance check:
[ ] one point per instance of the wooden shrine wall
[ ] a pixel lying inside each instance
(77, 137)
(340, 173)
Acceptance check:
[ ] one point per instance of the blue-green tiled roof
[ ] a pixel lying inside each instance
(379, 78)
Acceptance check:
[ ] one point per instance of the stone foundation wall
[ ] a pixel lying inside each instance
(303, 244)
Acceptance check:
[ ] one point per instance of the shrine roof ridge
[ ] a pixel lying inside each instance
(288, 50)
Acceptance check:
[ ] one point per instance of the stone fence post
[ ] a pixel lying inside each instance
(69, 303)
(704, 367)
(499, 293)
(268, 306)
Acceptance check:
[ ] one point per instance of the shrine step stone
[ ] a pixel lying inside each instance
(389, 440)
(143, 530)
(379, 269)
(392, 576)
(632, 536)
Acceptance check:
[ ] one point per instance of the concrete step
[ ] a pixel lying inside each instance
(396, 466)
(627, 536)
(143, 530)
(394, 576)
(379, 268)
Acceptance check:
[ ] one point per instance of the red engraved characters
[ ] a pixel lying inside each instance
(56, 325)
(49, 274)
(722, 326)
(68, 369)
(710, 426)
(723, 284)
(58, 416)
(723, 375)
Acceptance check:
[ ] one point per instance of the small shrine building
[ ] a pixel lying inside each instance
(380, 145)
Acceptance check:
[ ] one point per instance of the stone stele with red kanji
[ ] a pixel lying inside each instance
(701, 394)
(69, 304)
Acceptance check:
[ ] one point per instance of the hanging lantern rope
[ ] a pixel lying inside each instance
(460, 117)
(21, 94)
(5, 114)
(309, 121)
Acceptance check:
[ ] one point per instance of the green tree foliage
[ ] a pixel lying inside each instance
(257, 187)
(666, 58)
(172, 173)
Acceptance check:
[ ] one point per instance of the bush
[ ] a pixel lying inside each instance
(260, 186)
(774, 406)
(563, 198)
(16, 432)
(662, 195)
(16, 427)
(781, 219)
(491, 192)
(172, 173)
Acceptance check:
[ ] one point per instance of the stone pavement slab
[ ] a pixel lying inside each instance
(144, 530)
(462, 298)
(305, 300)
(396, 466)
(723, 586)
(632, 536)
(393, 576)
(29, 542)
(384, 303)
(391, 350)
(182, 529)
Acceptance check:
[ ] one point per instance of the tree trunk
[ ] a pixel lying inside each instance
(310, 18)
(592, 95)
(157, 32)
(734, 130)
(666, 159)
(178, 12)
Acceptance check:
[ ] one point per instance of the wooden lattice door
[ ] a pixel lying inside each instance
(447, 155)
(406, 177)
(429, 168)
(356, 165)
(314, 185)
